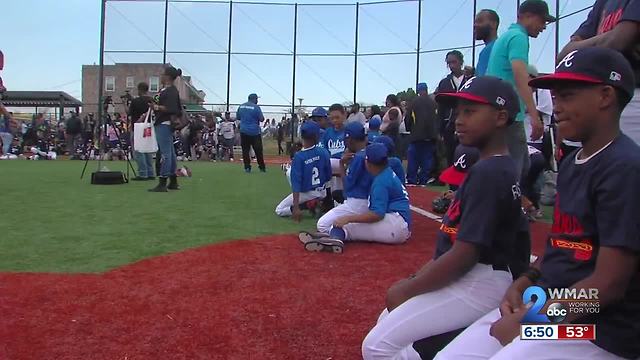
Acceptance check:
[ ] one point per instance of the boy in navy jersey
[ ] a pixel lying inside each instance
(477, 238)
(310, 171)
(394, 163)
(595, 237)
(388, 217)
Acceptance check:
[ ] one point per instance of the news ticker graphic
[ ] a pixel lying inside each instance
(557, 332)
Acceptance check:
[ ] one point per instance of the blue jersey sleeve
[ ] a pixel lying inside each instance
(379, 197)
(297, 173)
(326, 165)
(396, 166)
(353, 173)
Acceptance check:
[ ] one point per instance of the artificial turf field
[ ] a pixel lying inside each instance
(115, 272)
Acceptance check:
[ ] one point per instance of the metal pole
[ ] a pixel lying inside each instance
(418, 47)
(166, 22)
(355, 57)
(295, 49)
(101, 66)
(473, 36)
(557, 48)
(229, 55)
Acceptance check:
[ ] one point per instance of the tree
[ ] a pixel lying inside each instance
(407, 95)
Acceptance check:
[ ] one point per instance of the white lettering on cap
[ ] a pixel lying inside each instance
(615, 76)
(468, 83)
(461, 162)
(500, 101)
(567, 60)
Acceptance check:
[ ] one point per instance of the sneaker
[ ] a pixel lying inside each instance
(327, 244)
(431, 180)
(305, 236)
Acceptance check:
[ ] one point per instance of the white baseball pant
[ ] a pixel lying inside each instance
(392, 229)
(475, 343)
(284, 208)
(288, 174)
(630, 118)
(336, 182)
(350, 207)
(454, 307)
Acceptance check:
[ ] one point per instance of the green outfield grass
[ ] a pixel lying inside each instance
(52, 221)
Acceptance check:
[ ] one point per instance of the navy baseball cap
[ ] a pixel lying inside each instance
(253, 96)
(594, 65)
(421, 87)
(487, 90)
(375, 123)
(386, 141)
(465, 157)
(536, 7)
(354, 130)
(319, 112)
(310, 130)
(376, 153)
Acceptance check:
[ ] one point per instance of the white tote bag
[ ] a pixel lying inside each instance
(144, 135)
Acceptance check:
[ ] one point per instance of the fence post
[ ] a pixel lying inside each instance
(418, 45)
(101, 68)
(295, 48)
(473, 35)
(355, 57)
(229, 54)
(166, 22)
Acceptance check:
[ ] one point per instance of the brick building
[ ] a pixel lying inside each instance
(121, 77)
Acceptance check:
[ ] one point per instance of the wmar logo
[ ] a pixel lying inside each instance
(566, 301)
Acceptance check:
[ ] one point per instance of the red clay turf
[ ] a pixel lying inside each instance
(249, 299)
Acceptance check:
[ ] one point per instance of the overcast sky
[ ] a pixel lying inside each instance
(47, 41)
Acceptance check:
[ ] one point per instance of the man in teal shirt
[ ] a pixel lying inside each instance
(508, 61)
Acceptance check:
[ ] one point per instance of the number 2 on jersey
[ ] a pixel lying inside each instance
(315, 178)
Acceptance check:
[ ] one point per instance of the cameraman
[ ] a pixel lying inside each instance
(137, 109)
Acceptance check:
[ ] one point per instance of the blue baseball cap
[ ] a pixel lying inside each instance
(354, 130)
(309, 130)
(386, 141)
(486, 90)
(421, 87)
(319, 112)
(376, 153)
(374, 123)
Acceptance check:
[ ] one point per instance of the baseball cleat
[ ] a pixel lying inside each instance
(306, 236)
(326, 244)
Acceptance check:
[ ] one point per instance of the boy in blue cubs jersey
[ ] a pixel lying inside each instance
(333, 141)
(388, 217)
(394, 163)
(477, 239)
(374, 129)
(594, 244)
(310, 171)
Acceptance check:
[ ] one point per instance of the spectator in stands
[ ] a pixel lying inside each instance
(167, 110)
(485, 28)
(421, 122)
(446, 117)
(73, 132)
(508, 61)
(5, 129)
(615, 24)
(373, 112)
(356, 115)
(250, 116)
(137, 111)
(392, 123)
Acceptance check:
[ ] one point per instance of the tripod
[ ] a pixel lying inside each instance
(102, 132)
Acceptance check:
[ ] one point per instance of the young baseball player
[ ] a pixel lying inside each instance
(356, 180)
(595, 236)
(374, 129)
(394, 163)
(333, 141)
(477, 237)
(388, 218)
(310, 171)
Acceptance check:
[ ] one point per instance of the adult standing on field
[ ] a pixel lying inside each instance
(250, 116)
(421, 122)
(508, 61)
(485, 28)
(615, 24)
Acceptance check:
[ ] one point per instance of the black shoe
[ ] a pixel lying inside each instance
(173, 183)
(264, 170)
(162, 185)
